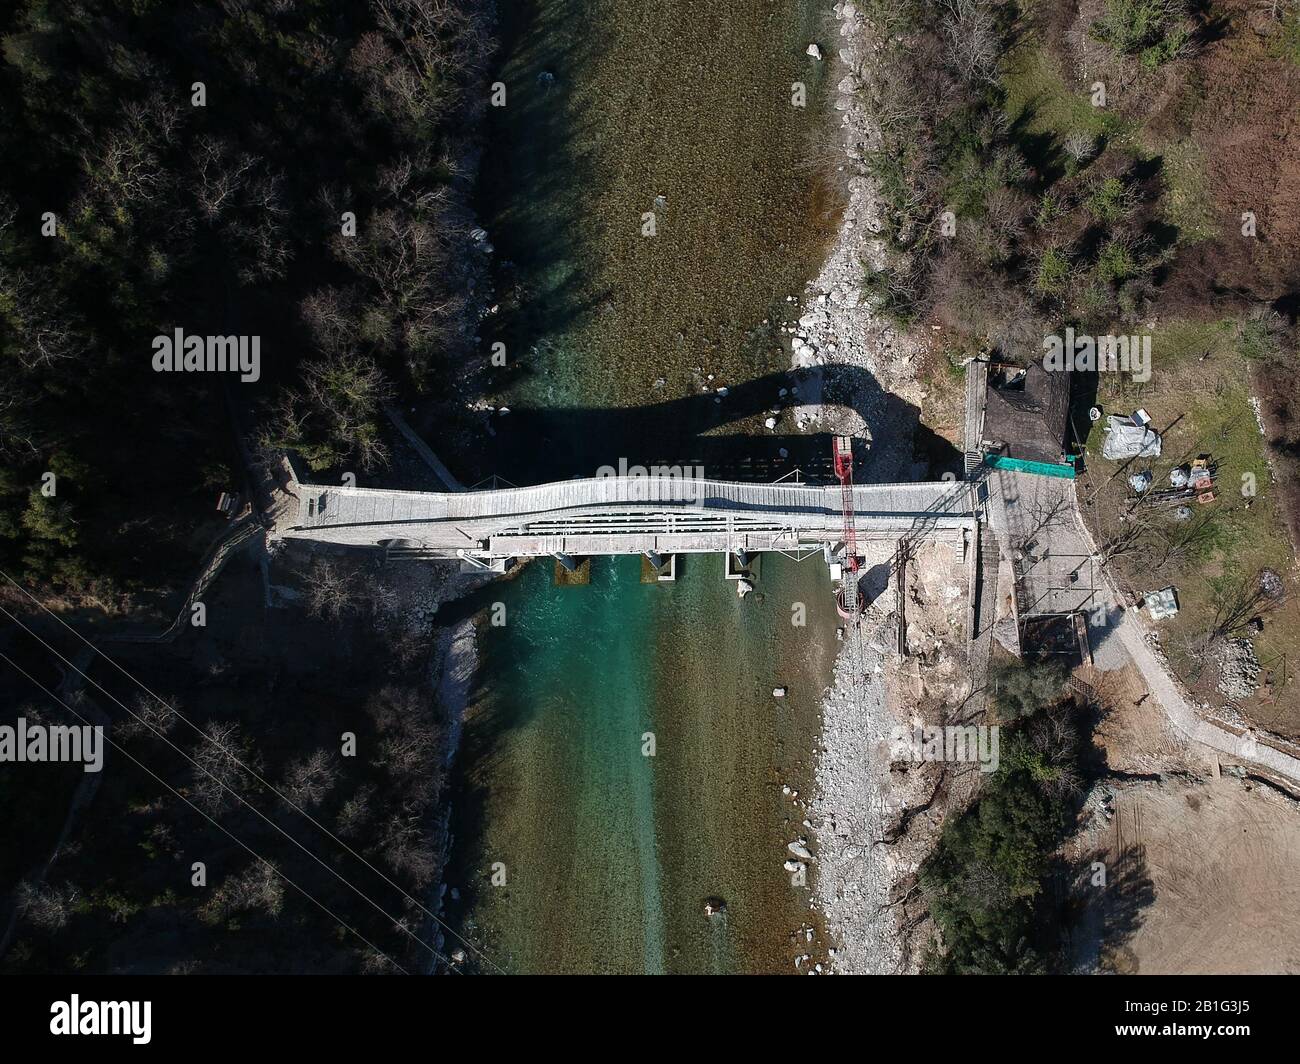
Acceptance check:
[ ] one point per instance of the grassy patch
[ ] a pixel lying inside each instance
(1039, 102)
(1186, 204)
(1286, 45)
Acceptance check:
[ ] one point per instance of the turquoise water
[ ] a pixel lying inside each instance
(609, 854)
(570, 795)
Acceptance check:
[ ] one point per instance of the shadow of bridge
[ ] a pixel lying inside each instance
(725, 435)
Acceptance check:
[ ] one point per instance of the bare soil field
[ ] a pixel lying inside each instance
(1202, 862)
(1219, 865)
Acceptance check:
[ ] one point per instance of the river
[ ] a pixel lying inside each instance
(623, 757)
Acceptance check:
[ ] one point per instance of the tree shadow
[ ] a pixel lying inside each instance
(1104, 907)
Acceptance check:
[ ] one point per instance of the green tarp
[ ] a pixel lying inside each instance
(1019, 465)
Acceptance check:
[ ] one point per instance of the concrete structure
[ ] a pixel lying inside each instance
(626, 515)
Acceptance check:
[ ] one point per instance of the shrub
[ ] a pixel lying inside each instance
(1153, 30)
(1260, 336)
(1050, 208)
(1053, 276)
(1116, 263)
(1110, 201)
(891, 292)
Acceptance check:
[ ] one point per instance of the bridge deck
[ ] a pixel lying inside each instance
(615, 515)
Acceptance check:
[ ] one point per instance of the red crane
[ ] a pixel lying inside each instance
(844, 470)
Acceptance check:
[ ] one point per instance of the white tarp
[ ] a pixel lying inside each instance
(1126, 439)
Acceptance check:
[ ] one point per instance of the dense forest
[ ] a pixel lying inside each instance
(292, 170)
(296, 171)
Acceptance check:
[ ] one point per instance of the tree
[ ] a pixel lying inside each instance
(47, 907)
(1155, 31)
(1021, 690)
(149, 717)
(974, 43)
(258, 888)
(222, 759)
(1238, 599)
(333, 589)
(309, 780)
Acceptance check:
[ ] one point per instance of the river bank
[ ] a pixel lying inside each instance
(855, 796)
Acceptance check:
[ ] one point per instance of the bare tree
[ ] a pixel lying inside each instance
(409, 849)
(43, 334)
(259, 887)
(218, 775)
(355, 814)
(49, 908)
(1080, 146)
(973, 43)
(221, 173)
(333, 590)
(309, 780)
(1239, 599)
(150, 717)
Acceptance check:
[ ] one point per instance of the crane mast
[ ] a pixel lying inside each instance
(844, 471)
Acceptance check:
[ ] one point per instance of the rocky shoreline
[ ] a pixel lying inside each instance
(854, 874)
(836, 327)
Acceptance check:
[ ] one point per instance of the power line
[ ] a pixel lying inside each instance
(221, 827)
(351, 886)
(283, 797)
